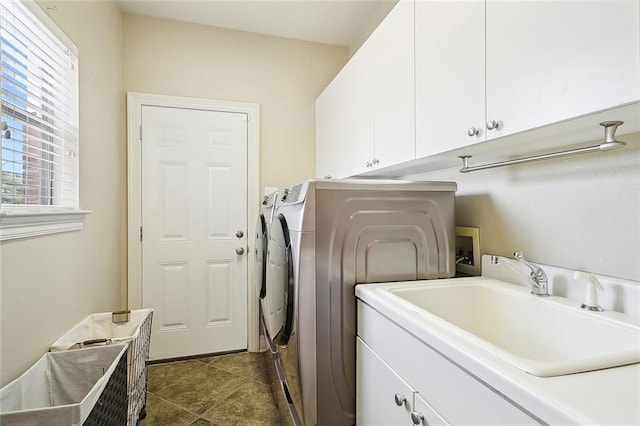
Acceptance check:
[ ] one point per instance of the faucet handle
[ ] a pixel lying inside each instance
(520, 256)
(537, 274)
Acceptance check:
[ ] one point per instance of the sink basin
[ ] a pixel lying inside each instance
(544, 336)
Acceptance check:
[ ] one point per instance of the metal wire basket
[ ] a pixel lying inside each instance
(132, 327)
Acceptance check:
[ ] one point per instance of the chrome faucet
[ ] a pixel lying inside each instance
(537, 277)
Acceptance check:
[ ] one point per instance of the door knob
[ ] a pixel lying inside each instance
(239, 234)
(473, 131)
(400, 399)
(240, 251)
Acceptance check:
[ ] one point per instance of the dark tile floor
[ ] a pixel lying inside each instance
(219, 390)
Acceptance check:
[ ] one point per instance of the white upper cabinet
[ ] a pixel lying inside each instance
(549, 61)
(365, 117)
(394, 89)
(439, 75)
(344, 120)
(495, 68)
(450, 75)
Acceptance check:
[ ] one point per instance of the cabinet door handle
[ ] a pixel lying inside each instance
(400, 399)
(473, 131)
(416, 417)
(376, 161)
(493, 124)
(368, 164)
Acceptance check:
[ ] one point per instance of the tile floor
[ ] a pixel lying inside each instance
(220, 390)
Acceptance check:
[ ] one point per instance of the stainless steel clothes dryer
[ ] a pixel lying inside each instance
(263, 229)
(327, 236)
(274, 368)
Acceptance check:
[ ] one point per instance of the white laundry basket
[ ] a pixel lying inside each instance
(84, 387)
(132, 327)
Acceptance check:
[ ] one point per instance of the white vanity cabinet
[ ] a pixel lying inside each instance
(365, 119)
(383, 398)
(391, 358)
(520, 64)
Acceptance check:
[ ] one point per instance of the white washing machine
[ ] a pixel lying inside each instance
(326, 237)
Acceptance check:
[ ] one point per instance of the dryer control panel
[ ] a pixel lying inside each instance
(295, 194)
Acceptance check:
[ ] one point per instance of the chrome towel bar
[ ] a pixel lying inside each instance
(608, 144)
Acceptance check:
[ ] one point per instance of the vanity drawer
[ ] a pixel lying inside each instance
(459, 397)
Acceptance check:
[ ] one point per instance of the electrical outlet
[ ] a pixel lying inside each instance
(269, 189)
(468, 256)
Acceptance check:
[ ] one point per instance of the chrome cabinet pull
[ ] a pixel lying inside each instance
(400, 399)
(416, 417)
(239, 234)
(473, 131)
(493, 124)
(240, 251)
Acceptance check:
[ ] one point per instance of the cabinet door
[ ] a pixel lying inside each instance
(459, 397)
(344, 120)
(376, 389)
(394, 114)
(450, 97)
(548, 61)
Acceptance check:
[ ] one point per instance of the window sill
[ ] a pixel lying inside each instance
(25, 224)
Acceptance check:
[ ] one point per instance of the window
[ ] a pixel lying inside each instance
(39, 83)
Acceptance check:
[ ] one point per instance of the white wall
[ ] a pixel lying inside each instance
(284, 76)
(579, 212)
(370, 25)
(50, 283)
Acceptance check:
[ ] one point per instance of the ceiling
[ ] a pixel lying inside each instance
(340, 22)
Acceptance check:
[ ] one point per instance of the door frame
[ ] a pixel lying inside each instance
(135, 101)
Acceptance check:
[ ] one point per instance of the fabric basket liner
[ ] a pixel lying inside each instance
(100, 326)
(99, 329)
(61, 388)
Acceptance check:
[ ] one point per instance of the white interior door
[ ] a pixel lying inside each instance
(194, 226)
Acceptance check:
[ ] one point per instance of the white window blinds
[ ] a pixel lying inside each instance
(39, 110)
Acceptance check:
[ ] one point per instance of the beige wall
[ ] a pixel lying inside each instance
(284, 76)
(580, 212)
(50, 283)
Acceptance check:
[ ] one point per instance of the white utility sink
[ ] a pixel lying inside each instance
(544, 336)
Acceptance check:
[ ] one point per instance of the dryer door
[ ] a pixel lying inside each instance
(261, 255)
(277, 304)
